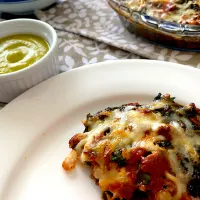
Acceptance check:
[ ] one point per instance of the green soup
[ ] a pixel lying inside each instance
(20, 51)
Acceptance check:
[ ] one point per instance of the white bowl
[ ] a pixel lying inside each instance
(15, 83)
(21, 6)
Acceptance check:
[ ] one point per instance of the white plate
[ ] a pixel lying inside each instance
(35, 128)
(19, 7)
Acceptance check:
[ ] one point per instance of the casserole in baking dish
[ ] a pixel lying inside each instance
(174, 23)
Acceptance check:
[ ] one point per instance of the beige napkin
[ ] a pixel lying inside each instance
(96, 20)
(76, 51)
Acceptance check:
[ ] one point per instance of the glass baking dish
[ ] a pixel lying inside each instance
(169, 34)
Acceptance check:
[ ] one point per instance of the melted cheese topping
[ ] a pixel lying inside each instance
(135, 128)
(180, 11)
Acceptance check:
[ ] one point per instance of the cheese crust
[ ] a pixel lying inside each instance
(180, 11)
(142, 152)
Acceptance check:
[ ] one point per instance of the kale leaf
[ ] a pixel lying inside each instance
(118, 158)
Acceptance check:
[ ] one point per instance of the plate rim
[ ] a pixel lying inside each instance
(110, 62)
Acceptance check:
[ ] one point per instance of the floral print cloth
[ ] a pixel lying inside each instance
(96, 21)
(76, 51)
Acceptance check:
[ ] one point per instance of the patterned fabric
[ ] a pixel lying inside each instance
(76, 51)
(96, 20)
